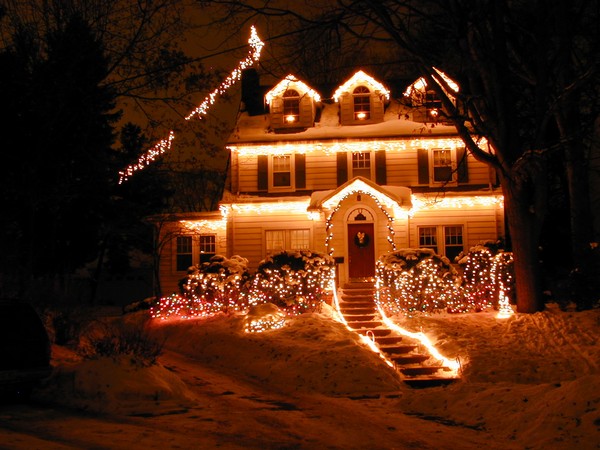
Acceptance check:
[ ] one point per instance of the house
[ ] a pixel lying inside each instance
(355, 175)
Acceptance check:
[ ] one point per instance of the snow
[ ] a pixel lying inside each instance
(530, 381)
(397, 123)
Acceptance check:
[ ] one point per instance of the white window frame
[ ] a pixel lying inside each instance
(177, 252)
(287, 236)
(371, 154)
(453, 166)
(202, 250)
(440, 237)
(272, 163)
(365, 94)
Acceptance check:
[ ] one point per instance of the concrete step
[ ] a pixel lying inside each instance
(363, 325)
(427, 382)
(415, 358)
(388, 340)
(397, 349)
(377, 332)
(422, 370)
(360, 310)
(359, 317)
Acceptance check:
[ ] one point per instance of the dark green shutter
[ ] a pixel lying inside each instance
(300, 166)
(342, 168)
(423, 165)
(380, 168)
(263, 172)
(461, 161)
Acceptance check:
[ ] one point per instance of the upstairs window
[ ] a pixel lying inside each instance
(361, 164)
(291, 106)
(282, 171)
(362, 103)
(184, 253)
(442, 166)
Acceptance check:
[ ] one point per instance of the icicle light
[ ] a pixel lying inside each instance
(147, 158)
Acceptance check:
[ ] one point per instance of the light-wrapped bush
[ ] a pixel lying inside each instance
(416, 281)
(213, 287)
(297, 282)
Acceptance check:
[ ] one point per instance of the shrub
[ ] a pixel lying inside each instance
(297, 282)
(212, 287)
(114, 339)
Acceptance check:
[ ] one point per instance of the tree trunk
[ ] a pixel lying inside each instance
(524, 222)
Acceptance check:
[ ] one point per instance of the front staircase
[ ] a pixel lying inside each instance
(357, 305)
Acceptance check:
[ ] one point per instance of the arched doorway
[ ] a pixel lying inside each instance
(361, 244)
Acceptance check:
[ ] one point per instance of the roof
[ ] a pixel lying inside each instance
(397, 123)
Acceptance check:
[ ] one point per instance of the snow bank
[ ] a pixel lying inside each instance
(116, 386)
(311, 354)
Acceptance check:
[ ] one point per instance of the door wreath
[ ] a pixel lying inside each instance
(361, 239)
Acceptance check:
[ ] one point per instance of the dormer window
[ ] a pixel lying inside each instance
(362, 103)
(291, 106)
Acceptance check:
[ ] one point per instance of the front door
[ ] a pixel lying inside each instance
(361, 250)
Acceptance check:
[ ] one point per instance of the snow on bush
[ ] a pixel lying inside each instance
(297, 282)
(213, 287)
(415, 281)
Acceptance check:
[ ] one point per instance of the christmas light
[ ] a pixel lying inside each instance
(256, 46)
(164, 145)
(147, 158)
(291, 82)
(419, 87)
(361, 78)
(362, 146)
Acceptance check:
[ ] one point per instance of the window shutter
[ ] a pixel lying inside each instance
(380, 167)
(300, 167)
(263, 172)
(461, 161)
(423, 165)
(342, 168)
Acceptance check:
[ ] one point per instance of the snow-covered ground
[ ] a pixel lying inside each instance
(530, 381)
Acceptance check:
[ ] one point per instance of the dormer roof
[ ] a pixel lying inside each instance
(419, 87)
(291, 82)
(360, 78)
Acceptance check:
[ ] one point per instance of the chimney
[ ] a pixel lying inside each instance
(252, 92)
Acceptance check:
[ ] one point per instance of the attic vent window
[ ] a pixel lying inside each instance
(362, 103)
(291, 106)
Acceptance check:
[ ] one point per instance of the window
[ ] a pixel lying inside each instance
(442, 166)
(450, 235)
(280, 240)
(428, 238)
(361, 164)
(291, 106)
(448, 166)
(208, 247)
(362, 103)
(453, 241)
(282, 171)
(184, 253)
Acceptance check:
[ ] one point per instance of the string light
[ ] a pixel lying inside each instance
(291, 82)
(361, 78)
(164, 145)
(256, 46)
(147, 158)
(362, 146)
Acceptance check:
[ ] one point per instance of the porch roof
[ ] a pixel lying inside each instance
(397, 195)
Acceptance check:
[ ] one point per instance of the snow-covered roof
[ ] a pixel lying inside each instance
(399, 195)
(361, 78)
(397, 123)
(291, 82)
